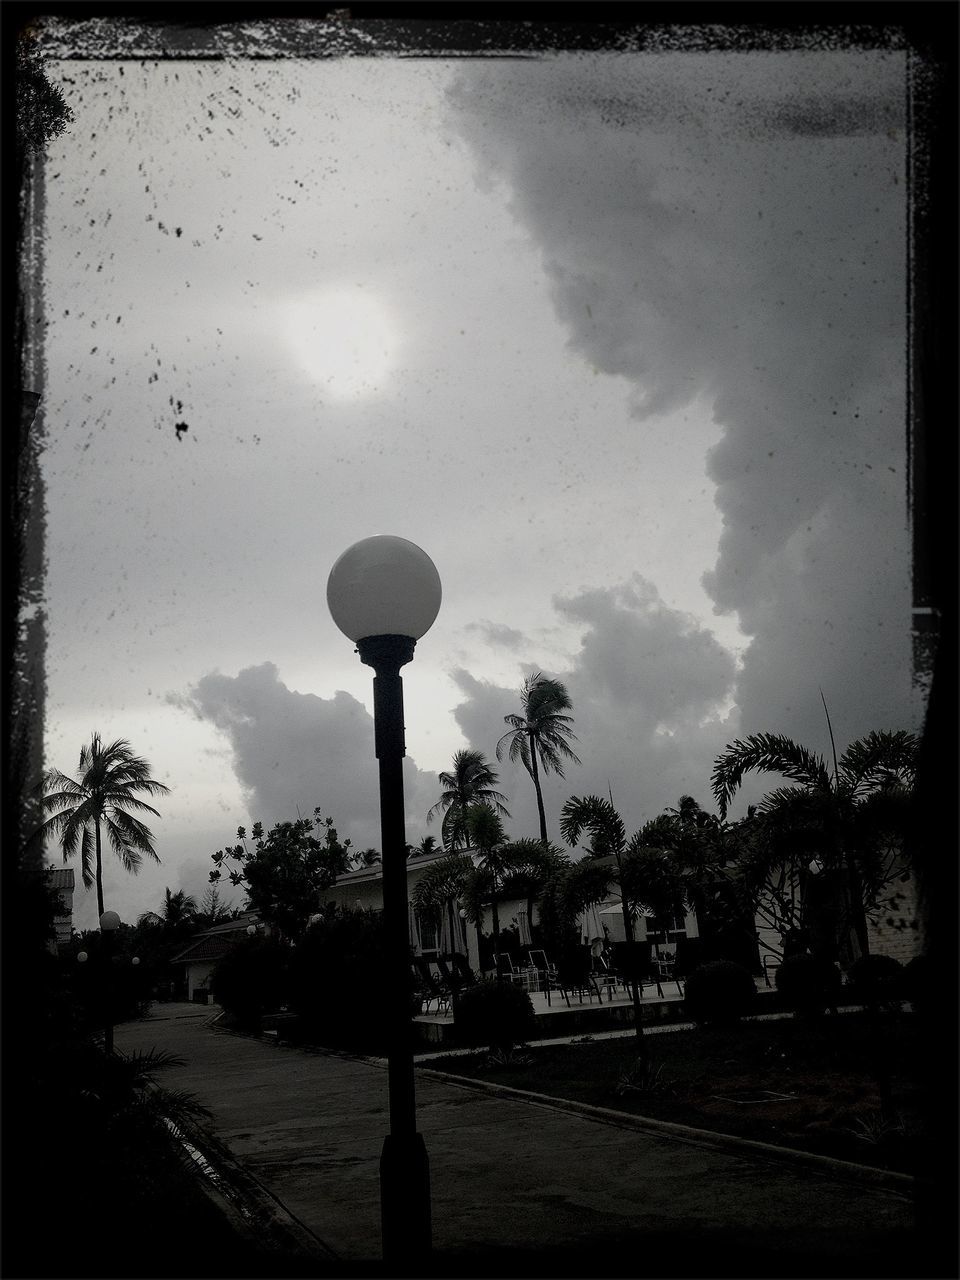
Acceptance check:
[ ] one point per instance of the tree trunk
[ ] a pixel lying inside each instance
(857, 914)
(450, 920)
(496, 934)
(634, 989)
(99, 872)
(535, 774)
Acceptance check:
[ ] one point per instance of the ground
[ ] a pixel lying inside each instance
(841, 1086)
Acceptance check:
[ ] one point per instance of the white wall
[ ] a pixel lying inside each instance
(198, 975)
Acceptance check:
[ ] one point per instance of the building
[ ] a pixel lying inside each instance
(430, 935)
(363, 890)
(61, 879)
(199, 957)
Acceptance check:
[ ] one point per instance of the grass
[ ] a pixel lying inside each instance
(843, 1086)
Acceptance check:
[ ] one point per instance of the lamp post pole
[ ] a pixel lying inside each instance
(404, 1167)
(384, 593)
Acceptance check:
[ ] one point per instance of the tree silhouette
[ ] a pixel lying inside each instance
(471, 781)
(106, 788)
(844, 824)
(538, 737)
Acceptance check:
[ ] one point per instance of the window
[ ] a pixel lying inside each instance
(427, 924)
(669, 931)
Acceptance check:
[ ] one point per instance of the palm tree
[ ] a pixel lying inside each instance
(105, 790)
(471, 781)
(427, 846)
(178, 908)
(442, 884)
(527, 867)
(644, 874)
(363, 859)
(841, 821)
(485, 831)
(538, 737)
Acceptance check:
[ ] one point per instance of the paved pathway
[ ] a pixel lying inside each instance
(510, 1174)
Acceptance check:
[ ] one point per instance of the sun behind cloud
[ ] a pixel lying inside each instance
(344, 338)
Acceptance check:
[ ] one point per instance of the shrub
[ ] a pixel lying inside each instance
(337, 981)
(251, 980)
(645, 1078)
(876, 980)
(809, 984)
(915, 980)
(719, 992)
(104, 986)
(496, 1014)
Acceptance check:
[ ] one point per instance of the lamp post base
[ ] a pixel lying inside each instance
(405, 1200)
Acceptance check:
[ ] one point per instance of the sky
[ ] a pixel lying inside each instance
(619, 339)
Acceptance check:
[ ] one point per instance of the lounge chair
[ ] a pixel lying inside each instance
(573, 974)
(507, 969)
(455, 973)
(432, 986)
(461, 973)
(546, 973)
(634, 962)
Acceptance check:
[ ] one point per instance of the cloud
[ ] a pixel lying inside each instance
(734, 228)
(296, 751)
(650, 688)
(498, 633)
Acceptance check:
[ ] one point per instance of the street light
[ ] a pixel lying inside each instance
(109, 924)
(384, 594)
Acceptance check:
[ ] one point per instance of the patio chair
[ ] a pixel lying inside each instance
(574, 974)
(461, 968)
(604, 976)
(689, 954)
(432, 986)
(508, 969)
(455, 975)
(546, 973)
(634, 962)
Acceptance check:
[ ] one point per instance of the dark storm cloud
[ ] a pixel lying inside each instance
(296, 751)
(498, 633)
(649, 688)
(744, 241)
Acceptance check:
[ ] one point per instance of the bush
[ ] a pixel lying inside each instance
(719, 992)
(496, 1014)
(102, 987)
(251, 980)
(915, 980)
(876, 980)
(809, 984)
(337, 981)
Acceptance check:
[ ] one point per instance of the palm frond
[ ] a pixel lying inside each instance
(883, 758)
(485, 827)
(585, 884)
(765, 753)
(134, 833)
(515, 740)
(597, 816)
(442, 881)
(87, 856)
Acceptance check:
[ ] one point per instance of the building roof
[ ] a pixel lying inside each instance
(232, 926)
(212, 943)
(207, 948)
(61, 877)
(366, 874)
